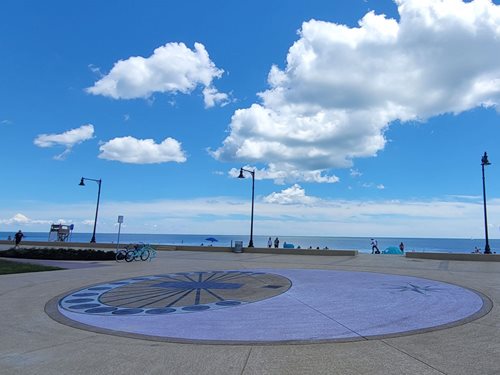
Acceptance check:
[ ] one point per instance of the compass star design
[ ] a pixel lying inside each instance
(410, 287)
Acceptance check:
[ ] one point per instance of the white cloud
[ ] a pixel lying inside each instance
(293, 195)
(63, 155)
(95, 69)
(286, 173)
(465, 197)
(442, 218)
(212, 97)
(355, 173)
(342, 87)
(172, 68)
(369, 185)
(20, 219)
(17, 218)
(142, 151)
(6, 122)
(63, 221)
(67, 139)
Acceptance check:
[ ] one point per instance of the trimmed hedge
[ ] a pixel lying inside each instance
(58, 254)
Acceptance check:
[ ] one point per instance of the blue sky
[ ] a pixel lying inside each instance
(361, 118)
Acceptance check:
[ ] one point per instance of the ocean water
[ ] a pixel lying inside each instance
(362, 244)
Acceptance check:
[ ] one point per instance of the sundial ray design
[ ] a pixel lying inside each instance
(175, 293)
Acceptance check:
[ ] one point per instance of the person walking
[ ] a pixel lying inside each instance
(269, 242)
(276, 243)
(18, 237)
(375, 249)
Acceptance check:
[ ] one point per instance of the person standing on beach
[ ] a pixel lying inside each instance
(18, 237)
(269, 242)
(276, 243)
(375, 249)
(402, 247)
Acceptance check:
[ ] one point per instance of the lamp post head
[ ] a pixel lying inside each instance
(241, 173)
(81, 182)
(484, 159)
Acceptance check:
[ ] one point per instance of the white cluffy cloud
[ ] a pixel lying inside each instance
(450, 217)
(67, 139)
(280, 176)
(142, 151)
(293, 195)
(342, 87)
(171, 68)
(20, 219)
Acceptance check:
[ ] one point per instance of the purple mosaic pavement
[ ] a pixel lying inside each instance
(320, 305)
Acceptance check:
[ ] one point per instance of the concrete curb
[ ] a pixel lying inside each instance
(453, 256)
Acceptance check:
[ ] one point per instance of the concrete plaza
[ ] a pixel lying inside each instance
(34, 343)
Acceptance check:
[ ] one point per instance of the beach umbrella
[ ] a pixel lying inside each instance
(392, 250)
(211, 239)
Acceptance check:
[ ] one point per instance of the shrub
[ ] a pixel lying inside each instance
(58, 254)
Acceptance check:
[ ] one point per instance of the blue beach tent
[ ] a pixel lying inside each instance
(392, 250)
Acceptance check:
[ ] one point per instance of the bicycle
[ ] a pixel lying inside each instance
(121, 255)
(139, 251)
(152, 253)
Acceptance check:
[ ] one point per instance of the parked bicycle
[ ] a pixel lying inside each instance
(140, 251)
(121, 255)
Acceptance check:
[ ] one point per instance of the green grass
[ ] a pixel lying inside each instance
(7, 267)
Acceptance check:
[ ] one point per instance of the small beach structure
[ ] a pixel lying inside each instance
(60, 232)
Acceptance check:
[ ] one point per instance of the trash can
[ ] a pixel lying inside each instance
(238, 247)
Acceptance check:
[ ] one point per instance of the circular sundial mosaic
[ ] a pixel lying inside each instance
(268, 306)
(175, 293)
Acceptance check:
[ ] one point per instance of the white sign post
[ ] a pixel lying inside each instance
(120, 221)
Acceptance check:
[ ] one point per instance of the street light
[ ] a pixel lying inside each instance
(250, 243)
(485, 161)
(82, 183)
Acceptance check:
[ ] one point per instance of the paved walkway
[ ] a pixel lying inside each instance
(374, 300)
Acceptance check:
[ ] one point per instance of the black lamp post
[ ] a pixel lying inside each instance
(250, 243)
(485, 161)
(82, 183)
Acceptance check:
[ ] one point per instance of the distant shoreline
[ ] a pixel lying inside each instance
(362, 244)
